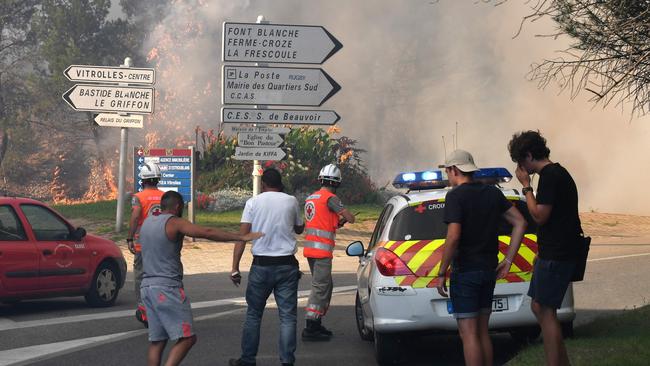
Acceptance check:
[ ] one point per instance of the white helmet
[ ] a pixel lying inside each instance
(149, 171)
(331, 173)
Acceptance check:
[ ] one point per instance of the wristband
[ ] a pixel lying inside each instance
(526, 190)
(127, 239)
(235, 274)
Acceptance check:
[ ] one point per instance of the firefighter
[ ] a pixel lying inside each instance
(324, 213)
(143, 204)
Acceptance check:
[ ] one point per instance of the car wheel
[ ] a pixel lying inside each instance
(526, 335)
(387, 350)
(567, 329)
(104, 286)
(364, 332)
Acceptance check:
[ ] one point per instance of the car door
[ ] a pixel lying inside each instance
(63, 263)
(18, 255)
(366, 261)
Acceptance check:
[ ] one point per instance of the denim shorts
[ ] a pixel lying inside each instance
(550, 281)
(471, 293)
(168, 312)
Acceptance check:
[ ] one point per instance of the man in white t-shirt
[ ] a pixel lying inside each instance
(275, 268)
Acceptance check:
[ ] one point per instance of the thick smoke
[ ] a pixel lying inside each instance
(412, 71)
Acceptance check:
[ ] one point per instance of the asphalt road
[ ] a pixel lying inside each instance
(66, 332)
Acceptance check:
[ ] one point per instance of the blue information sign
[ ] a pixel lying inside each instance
(175, 167)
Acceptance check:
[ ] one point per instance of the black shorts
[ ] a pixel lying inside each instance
(471, 293)
(550, 281)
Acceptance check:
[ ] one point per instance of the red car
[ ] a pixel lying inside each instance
(43, 255)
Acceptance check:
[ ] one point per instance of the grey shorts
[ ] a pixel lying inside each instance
(168, 311)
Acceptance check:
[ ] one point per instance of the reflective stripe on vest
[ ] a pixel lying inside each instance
(319, 245)
(320, 233)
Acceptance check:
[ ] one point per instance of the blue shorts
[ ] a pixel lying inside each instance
(550, 281)
(168, 312)
(471, 293)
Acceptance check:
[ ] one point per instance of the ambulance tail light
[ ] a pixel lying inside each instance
(389, 264)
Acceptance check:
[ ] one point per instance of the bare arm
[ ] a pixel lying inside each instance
(177, 225)
(539, 213)
(347, 215)
(451, 244)
(514, 218)
(238, 251)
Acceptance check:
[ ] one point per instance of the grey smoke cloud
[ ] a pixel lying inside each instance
(410, 70)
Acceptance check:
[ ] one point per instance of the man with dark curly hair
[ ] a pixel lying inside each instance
(555, 210)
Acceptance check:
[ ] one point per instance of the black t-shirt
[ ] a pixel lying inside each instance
(478, 209)
(558, 239)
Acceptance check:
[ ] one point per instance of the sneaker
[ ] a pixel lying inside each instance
(314, 335)
(239, 362)
(142, 318)
(324, 330)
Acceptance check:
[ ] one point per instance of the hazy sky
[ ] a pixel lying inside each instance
(411, 69)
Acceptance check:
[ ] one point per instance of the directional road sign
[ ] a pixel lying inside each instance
(175, 168)
(252, 139)
(102, 98)
(279, 116)
(258, 129)
(298, 44)
(258, 153)
(277, 85)
(115, 120)
(108, 74)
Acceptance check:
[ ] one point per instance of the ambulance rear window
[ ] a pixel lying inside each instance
(425, 221)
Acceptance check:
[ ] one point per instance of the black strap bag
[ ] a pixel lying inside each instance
(581, 260)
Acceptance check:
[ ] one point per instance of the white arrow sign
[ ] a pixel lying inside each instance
(107, 74)
(252, 139)
(258, 153)
(279, 116)
(276, 86)
(103, 98)
(298, 44)
(115, 120)
(257, 129)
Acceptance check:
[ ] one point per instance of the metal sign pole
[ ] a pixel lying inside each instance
(121, 184)
(257, 167)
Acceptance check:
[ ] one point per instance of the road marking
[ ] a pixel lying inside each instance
(618, 257)
(8, 324)
(26, 355)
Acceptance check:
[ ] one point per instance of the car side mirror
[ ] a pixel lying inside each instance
(355, 249)
(78, 234)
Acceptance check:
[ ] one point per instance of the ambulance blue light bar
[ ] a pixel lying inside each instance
(431, 179)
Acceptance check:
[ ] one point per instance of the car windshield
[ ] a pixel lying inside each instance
(424, 221)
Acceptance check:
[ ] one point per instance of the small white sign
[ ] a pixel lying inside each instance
(110, 74)
(102, 98)
(258, 153)
(115, 120)
(258, 129)
(298, 44)
(276, 86)
(279, 116)
(253, 139)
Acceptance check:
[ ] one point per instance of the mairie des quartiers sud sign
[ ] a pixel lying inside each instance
(277, 86)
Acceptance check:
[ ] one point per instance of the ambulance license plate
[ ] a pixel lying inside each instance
(498, 304)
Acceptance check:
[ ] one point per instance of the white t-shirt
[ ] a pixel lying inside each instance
(275, 214)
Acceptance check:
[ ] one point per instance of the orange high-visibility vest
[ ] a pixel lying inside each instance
(320, 226)
(150, 203)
